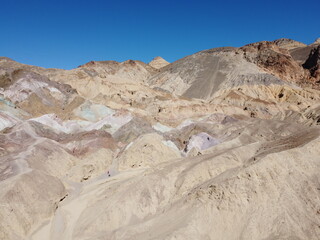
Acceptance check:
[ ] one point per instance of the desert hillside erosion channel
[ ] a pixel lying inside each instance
(221, 144)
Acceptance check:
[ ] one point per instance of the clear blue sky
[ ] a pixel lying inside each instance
(65, 34)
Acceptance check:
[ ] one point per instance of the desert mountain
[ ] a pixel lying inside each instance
(217, 69)
(221, 144)
(158, 62)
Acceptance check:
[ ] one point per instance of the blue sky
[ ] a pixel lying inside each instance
(65, 34)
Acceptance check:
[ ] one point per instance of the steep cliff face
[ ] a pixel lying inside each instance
(313, 63)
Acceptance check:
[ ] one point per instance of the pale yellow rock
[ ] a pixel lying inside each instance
(91, 166)
(158, 63)
(26, 201)
(147, 151)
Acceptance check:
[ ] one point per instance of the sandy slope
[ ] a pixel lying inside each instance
(234, 192)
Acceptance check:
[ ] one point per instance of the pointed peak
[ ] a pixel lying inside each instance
(317, 41)
(158, 62)
(157, 58)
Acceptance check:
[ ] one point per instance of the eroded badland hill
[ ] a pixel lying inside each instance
(221, 144)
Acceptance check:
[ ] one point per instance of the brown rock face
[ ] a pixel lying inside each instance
(275, 60)
(313, 63)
